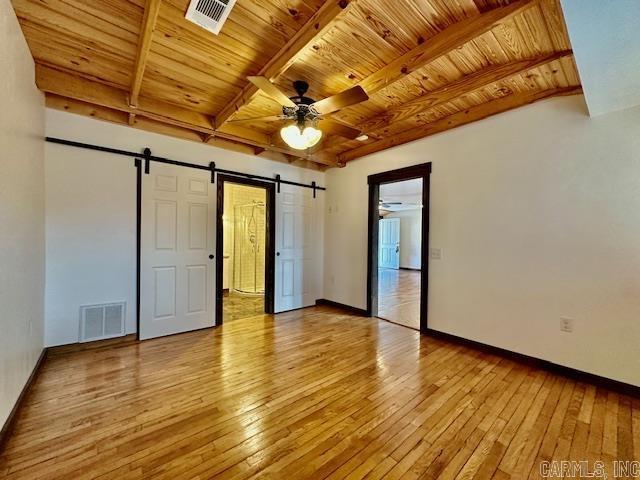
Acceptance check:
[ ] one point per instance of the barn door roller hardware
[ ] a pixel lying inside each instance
(148, 158)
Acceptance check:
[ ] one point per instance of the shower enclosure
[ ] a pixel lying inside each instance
(248, 248)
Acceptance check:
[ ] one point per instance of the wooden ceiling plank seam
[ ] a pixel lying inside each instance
(235, 41)
(531, 27)
(162, 89)
(164, 58)
(570, 70)
(379, 25)
(55, 44)
(110, 12)
(70, 71)
(492, 48)
(100, 26)
(447, 40)
(255, 13)
(555, 24)
(464, 85)
(114, 75)
(151, 11)
(56, 10)
(45, 32)
(464, 117)
(197, 86)
(57, 21)
(509, 39)
(333, 56)
(179, 39)
(287, 55)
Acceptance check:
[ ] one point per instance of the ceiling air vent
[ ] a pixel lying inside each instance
(209, 14)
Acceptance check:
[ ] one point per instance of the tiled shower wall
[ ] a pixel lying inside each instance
(245, 270)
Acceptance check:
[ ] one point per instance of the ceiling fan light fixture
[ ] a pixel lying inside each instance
(300, 137)
(313, 135)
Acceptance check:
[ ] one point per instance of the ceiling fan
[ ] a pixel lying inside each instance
(384, 204)
(306, 116)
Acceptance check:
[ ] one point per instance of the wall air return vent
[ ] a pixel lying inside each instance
(209, 14)
(98, 322)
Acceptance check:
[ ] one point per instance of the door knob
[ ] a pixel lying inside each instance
(211, 257)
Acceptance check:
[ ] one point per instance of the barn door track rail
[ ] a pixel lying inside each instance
(148, 158)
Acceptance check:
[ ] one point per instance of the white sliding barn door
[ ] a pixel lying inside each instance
(389, 248)
(177, 237)
(297, 267)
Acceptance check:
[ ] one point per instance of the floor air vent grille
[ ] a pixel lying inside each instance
(98, 322)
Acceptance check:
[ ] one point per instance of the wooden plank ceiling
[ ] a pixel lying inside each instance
(427, 65)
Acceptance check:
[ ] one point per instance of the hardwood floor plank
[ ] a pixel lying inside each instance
(315, 393)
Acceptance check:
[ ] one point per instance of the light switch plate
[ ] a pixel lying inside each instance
(435, 253)
(566, 324)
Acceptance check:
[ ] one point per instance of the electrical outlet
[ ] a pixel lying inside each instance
(566, 324)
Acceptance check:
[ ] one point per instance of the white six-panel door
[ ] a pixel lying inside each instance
(297, 249)
(177, 234)
(389, 245)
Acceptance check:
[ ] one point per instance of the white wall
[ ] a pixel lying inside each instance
(410, 237)
(537, 213)
(91, 213)
(605, 38)
(21, 212)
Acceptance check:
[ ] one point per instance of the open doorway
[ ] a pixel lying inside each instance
(399, 252)
(398, 245)
(244, 248)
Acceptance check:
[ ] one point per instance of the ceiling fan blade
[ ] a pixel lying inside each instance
(335, 128)
(334, 103)
(270, 118)
(273, 91)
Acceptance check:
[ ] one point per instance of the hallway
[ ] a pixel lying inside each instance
(399, 296)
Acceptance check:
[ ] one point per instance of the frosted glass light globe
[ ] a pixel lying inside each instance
(300, 139)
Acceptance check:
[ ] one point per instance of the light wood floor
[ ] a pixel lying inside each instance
(399, 296)
(309, 394)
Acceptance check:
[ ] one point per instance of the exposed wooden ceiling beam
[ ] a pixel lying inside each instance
(141, 123)
(288, 54)
(376, 126)
(457, 119)
(440, 44)
(151, 10)
(70, 86)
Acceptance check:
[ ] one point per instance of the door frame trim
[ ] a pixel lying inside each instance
(270, 241)
(374, 181)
